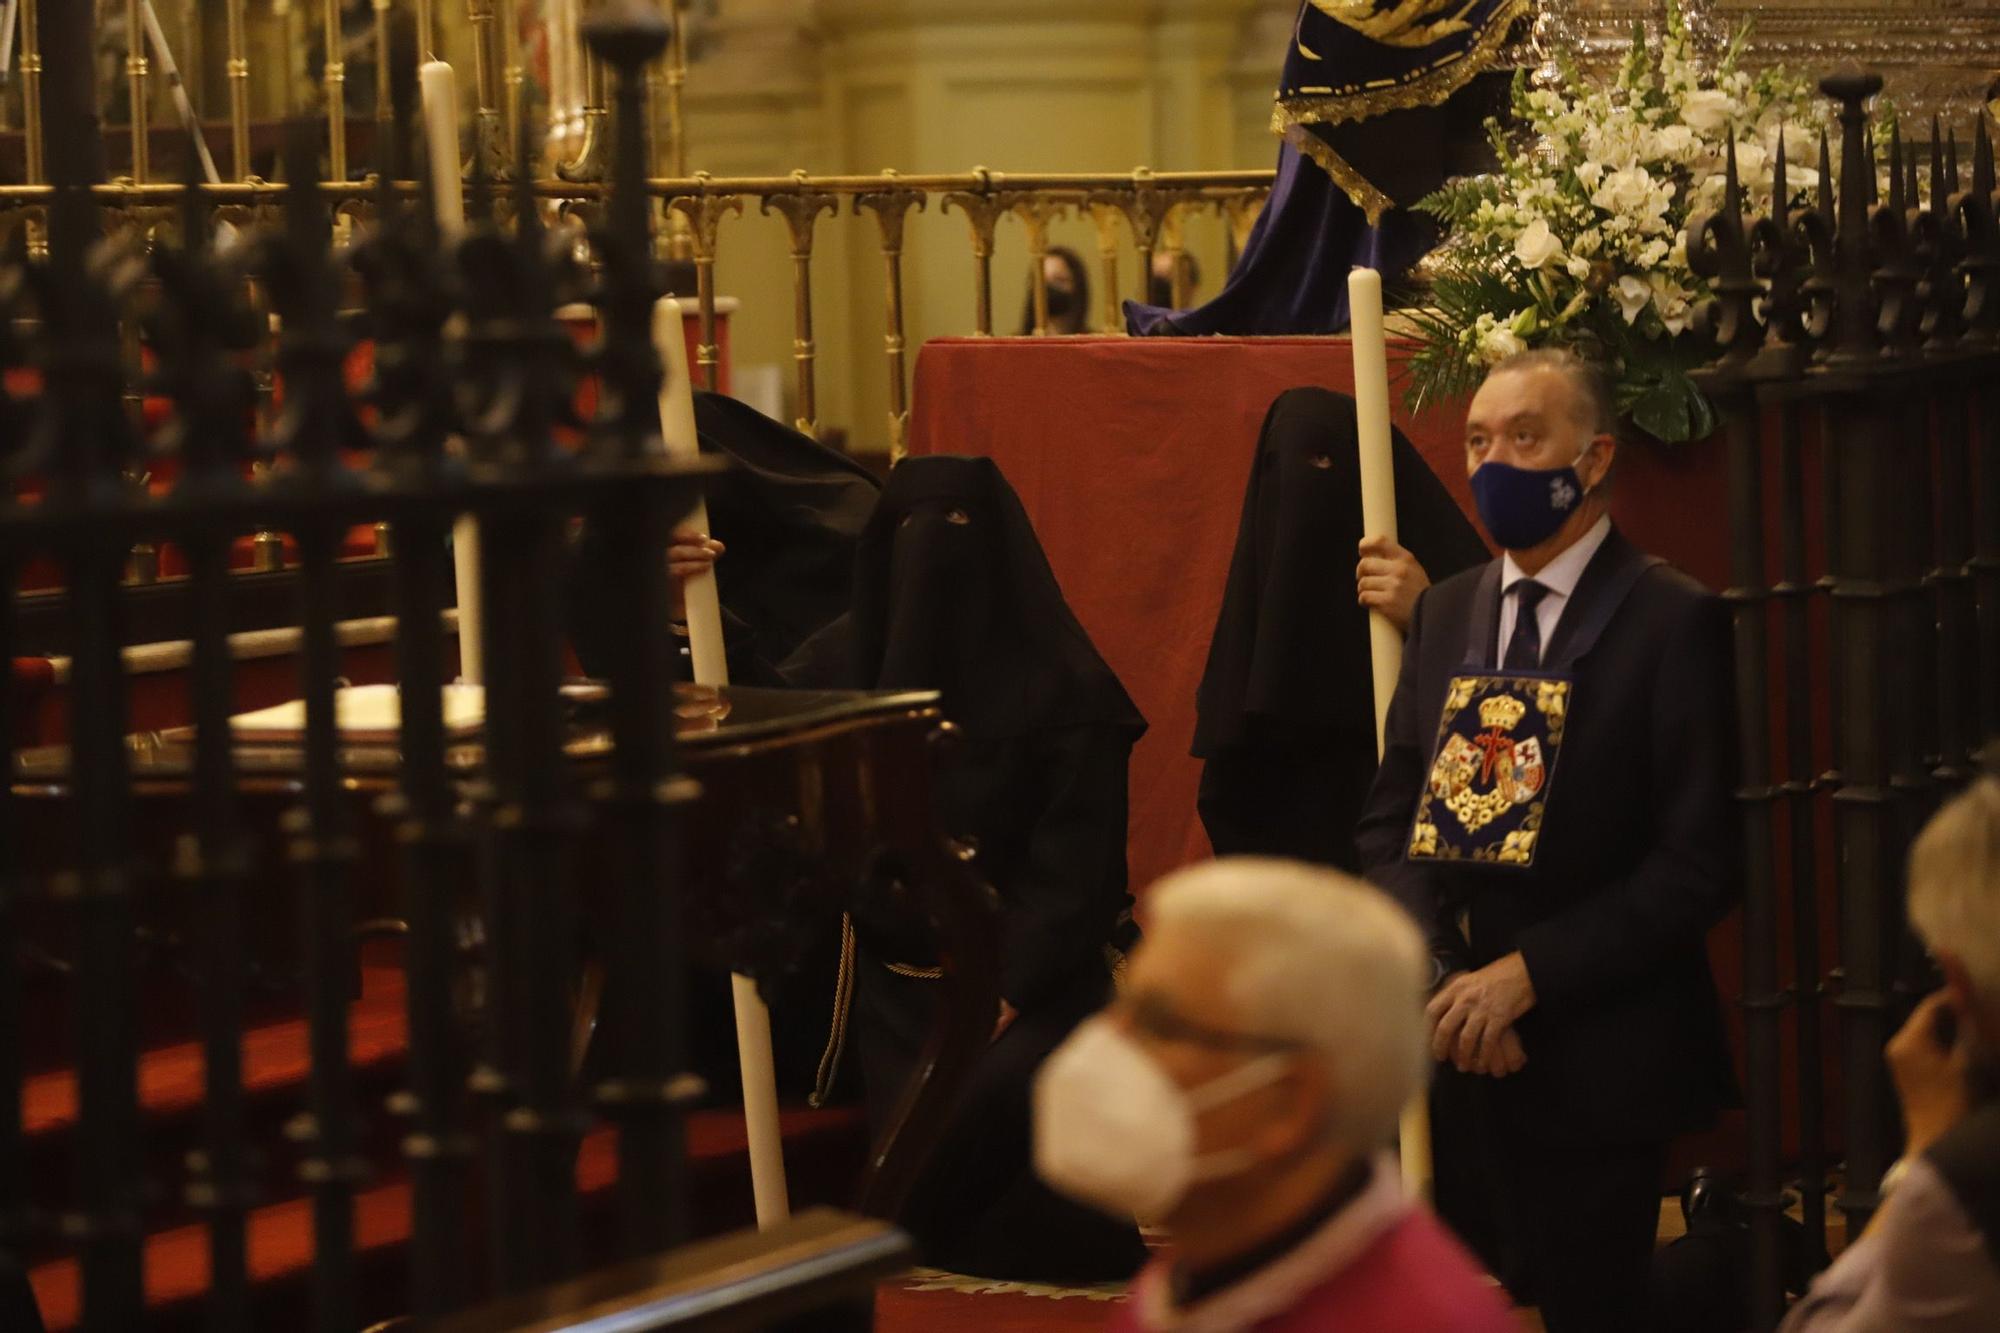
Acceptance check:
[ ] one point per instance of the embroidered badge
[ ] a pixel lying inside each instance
(1497, 745)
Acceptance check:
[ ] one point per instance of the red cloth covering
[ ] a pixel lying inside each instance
(1131, 457)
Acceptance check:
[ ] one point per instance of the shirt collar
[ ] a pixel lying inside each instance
(1561, 575)
(1283, 1283)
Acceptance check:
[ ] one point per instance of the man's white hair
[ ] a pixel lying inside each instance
(1320, 958)
(1955, 884)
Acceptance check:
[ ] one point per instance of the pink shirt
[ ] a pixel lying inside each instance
(1380, 1265)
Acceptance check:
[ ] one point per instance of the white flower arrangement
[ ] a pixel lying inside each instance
(1579, 239)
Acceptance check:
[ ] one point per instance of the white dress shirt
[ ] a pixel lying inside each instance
(1559, 576)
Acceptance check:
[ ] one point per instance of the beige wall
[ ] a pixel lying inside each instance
(854, 86)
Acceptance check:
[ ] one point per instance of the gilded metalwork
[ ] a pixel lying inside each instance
(1937, 57)
(1036, 213)
(983, 212)
(891, 206)
(489, 152)
(589, 163)
(31, 88)
(334, 82)
(239, 94)
(138, 74)
(1105, 217)
(801, 212)
(704, 213)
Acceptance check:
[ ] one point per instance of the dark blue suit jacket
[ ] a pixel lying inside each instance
(1638, 856)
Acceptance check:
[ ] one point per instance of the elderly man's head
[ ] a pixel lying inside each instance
(1955, 902)
(1277, 1008)
(1541, 413)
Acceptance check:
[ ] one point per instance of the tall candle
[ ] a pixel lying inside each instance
(1378, 469)
(440, 112)
(1385, 642)
(677, 431)
(711, 667)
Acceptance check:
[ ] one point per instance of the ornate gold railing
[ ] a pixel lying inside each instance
(1152, 209)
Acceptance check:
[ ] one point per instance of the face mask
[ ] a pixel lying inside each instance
(1520, 508)
(1114, 1131)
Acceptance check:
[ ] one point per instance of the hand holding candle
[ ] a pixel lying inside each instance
(1378, 471)
(691, 562)
(1385, 640)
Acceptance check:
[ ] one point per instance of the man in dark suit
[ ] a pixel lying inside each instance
(1554, 807)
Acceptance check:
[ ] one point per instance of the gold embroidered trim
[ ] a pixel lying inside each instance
(1428, 89)
(917, 973)
(843, 1004)
(1434, 86)
(1365, 196)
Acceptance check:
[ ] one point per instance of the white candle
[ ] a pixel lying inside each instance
(1385, 642)
(677, 431)
(711, 667)
(440, 112)
(1378, 469)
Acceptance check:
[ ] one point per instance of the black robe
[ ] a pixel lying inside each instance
(952, 592)
(789, 510)
(1285, 709)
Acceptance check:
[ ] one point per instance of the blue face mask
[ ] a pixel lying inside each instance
(1520, 508)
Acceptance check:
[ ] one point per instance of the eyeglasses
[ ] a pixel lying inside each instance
(1156, 1018)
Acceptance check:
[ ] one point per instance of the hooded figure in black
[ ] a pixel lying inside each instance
(790, 511)
(1286, 707)
(952, 593)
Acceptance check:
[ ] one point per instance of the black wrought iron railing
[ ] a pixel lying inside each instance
(468, 348)
(1857, 351)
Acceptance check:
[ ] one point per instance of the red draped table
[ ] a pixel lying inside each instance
(1131, 457)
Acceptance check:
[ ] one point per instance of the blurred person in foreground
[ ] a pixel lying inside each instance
(1929, 1262)
(1242, 1091)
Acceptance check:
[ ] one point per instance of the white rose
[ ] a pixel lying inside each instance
(1633, 296)
(1537, 246)
(1674, 142)
(1709, 110)
(1590, 173)
(1500, 343)
(1625, 193)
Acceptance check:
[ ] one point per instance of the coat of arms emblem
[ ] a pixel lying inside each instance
(1496, 753)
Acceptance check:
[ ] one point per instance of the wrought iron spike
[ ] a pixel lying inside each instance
(1982, 160)
(1898, 200)
(1942, 189)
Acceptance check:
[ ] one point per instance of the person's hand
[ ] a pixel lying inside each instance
(1508, 1057)
(1389, 579)
(688, 554)
(1473, 1014)
(1008, 1013)
(1930, 1080)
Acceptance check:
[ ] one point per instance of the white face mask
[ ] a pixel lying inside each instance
(1114, 1131)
